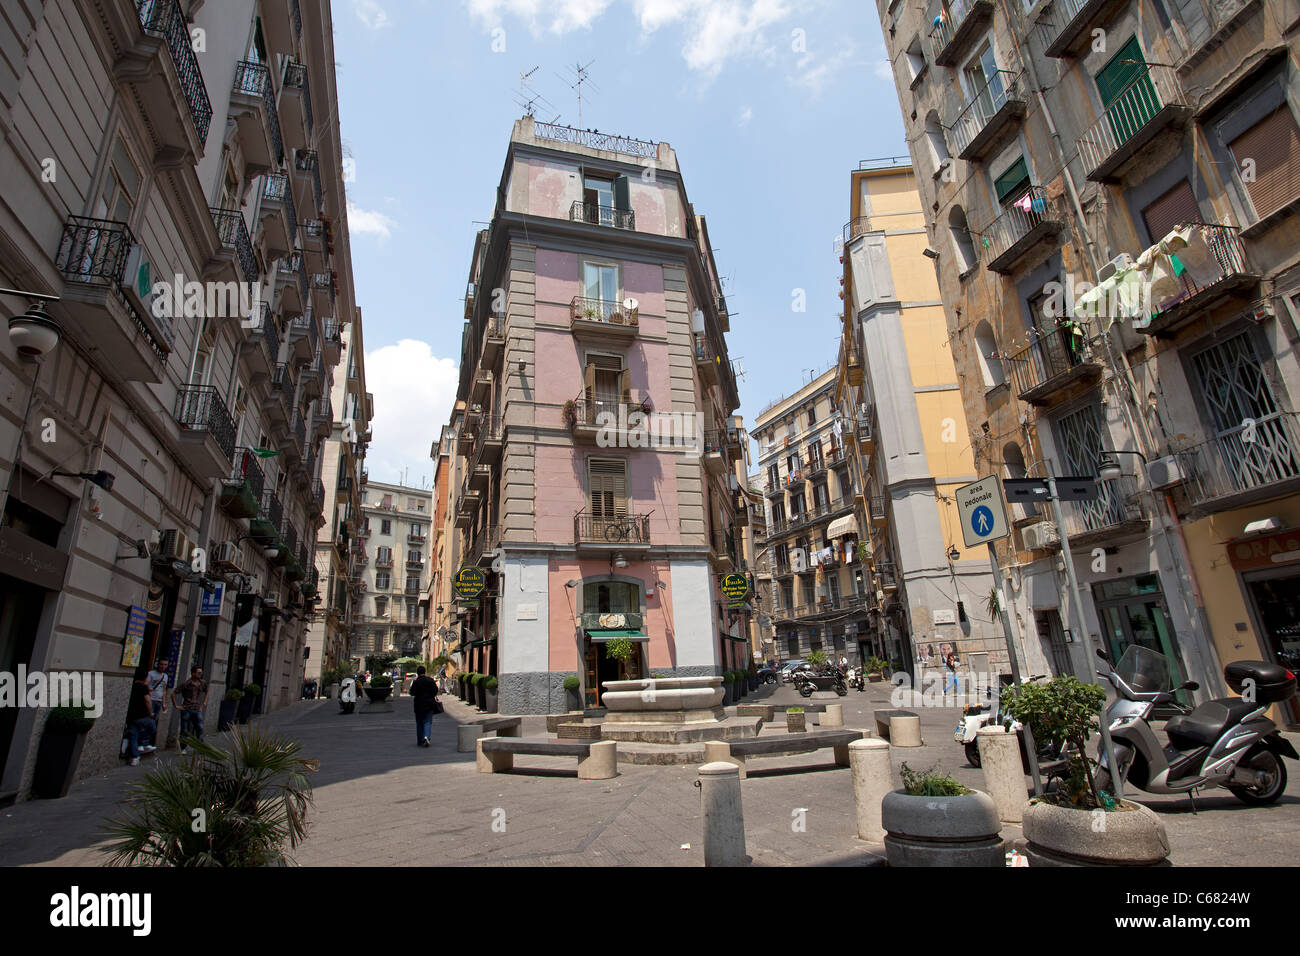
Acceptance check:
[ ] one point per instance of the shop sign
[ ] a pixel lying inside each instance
(1251, 554)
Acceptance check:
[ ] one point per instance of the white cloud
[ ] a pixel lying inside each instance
(370, 13)
(816, 71)
(715, 30)
(414, 393)
(746, 114)
(557, 16)
(369, 222)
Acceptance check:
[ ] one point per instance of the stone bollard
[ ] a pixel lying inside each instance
(873, 777)
(905, 732)
(1004, 775)
(601, 763)
(466, 735)
(724, 821)
(833, 716)
(719, 751)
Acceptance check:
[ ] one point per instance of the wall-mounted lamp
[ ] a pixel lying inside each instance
(953, 553)
(34, 334)
(619, 560)
(570, 584)
(931, 253)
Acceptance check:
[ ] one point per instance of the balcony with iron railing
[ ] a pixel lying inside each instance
(1255, 461)
(857, 226)
(853, 366)
(599, 215)
(611, 531)
(707, 360)
(265, 528)
(886, 574)
(296, 100)
(878, 508)
(483, 547)
(241, 491)
(332, 343)
(956, 26)
(279, 215)
(233, 234)
(384, 560)
(990, 116)
(164, 20)
(1221, 274)
(306, 164)
(1152, 103)
(102, 303)
(207, 431)
(602, 319)
(1065, 25)
(588, 419)
(1116, 513)
(1027, 224)
(1054, 365)
(254, 112)
(323, 416)
(291, 278)
(324, 283)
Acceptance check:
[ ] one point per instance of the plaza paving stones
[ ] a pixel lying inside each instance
(379, 797)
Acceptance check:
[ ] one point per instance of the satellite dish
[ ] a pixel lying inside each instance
(630, 304)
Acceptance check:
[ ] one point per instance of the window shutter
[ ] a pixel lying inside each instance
(1171, 210)
(608, 482)
(1118, 75)
(1274, 145)
(622, 199)
(589, 382)
(625, 385)
(1010, 184)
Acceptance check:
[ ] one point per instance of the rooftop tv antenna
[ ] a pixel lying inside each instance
(580, 74)
(527, 99)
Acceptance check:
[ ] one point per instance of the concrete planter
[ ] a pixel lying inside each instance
(795, 723)
(941, 831)
(332, 691)
(491, 701)
(226, 715)
(573, 700)
(56, 764)
(378, 694)
(1063, 836)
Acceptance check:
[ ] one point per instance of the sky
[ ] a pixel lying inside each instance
(769, 104)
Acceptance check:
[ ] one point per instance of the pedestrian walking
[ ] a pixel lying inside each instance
(157, 680)
(950, 679)
(192, 699)
(140, 724)
(424, 691)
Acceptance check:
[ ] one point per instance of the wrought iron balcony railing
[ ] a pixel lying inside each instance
(607, 311)
(333, 332)
(271, 513)
(1248, 460)
(277, 189)
(600, 412)
(999, 98)
(200, 408)
(254, 79)
(624, 529)
(599, 215)
(282, 381)
(858, 226)
(1031, 219)
(1053, 360)
(607, 141)
(1224, 269)
(307, 161)
(234, 236)
(295, 75)
(1128, 122)
(164, 19)
(956, 20)
(1116, 505)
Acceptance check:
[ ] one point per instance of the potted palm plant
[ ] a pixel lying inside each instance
(255, 797)
(490, 689)
(60, 751)
(229, 709)
(572, 693)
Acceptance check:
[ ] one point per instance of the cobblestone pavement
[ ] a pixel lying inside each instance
(379, 797)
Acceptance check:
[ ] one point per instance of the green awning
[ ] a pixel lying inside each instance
(610, 635)
(732, 637)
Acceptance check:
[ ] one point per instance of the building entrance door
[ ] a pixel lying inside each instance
(20, 616)
(1275, 595)
(1133, 612)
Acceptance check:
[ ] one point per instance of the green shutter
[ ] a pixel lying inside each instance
(1127, 92)
(1013, 180)
(622, 199)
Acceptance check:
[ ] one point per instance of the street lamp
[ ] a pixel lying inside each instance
(34, 333)
(1108, 468)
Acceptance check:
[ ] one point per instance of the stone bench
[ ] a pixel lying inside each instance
(766, 711)
(907, 733)
(597, 759)
(737, 751)
(466, 734)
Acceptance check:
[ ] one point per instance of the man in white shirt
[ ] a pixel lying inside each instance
(157, 681)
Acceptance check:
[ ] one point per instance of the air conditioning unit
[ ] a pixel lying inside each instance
(271, 600)
(1038, 537)
(880, 596)
(1118, 264)
(175, 546)
(1165, 472)
(228, 557)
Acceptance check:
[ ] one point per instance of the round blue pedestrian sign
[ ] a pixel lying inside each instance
(981, 521)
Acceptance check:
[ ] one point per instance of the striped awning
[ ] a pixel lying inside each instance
(843, 526)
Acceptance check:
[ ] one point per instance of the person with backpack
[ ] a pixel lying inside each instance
(424, 691)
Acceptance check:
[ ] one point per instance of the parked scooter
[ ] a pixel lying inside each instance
(1227, 742)
(857, 679)
(348, 695)
(988, 714)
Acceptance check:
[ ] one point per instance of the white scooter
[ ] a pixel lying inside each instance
(975, 716)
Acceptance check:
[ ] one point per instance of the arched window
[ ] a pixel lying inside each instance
(963, 244)
(934, 136)
(990, 358)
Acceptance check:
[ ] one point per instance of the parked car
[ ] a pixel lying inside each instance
(788, 669)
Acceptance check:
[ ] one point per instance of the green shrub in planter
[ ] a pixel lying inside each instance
(233, 694)
(380, 681)
(68, 720)
(931, 783)
(572, 683)
(794, 710)
(491, 685)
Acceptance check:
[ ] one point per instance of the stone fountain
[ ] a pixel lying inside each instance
(670, 710)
